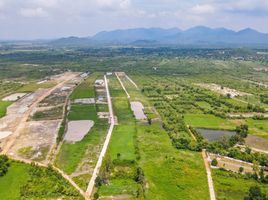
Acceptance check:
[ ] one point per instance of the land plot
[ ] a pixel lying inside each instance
(3, 107)
(36, 140)
(138, 110)
(257, 142)
(208, 121)
(24, 181)
(233, 186)
(14, 97)
(76, 130)
(83, 112)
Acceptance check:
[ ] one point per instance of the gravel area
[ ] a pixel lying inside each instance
(137, 108)
(78, 129)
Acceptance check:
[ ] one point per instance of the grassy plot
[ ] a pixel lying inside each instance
(208, 121)
(258, 127)
(3, 107)
(170, 173)
(71, 155)
(83, 112)
(233, 186)
(24, 181)
(86, 88)
(121, 154)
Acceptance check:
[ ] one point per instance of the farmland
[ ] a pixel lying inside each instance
(157, 156)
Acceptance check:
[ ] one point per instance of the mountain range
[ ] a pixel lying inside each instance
(199, 35)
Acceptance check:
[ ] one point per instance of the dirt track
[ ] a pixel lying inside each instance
(21, 122)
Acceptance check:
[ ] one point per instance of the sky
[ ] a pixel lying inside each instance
(47, 19)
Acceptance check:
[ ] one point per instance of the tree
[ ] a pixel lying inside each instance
(255, 193)
(214, 162)
(256, 167)
(241, 169)
(4, 165)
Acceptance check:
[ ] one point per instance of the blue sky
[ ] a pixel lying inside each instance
(32, 19)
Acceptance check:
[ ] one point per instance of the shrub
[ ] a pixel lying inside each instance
(214, 162)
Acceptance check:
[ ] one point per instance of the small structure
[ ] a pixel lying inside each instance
(109, 73)
(99, 82)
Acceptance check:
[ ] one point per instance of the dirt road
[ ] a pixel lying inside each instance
(132, 81)
(122, 85)
(105, 145)
(21, 124)
(210, 181)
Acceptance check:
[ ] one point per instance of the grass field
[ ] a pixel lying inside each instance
(10, 183)
(23, 181)
(83, 112)
(232, 186)
(86, 88)
(169, 173)
(121, 146)
(3, 107)
(258, 127)
(208, 121)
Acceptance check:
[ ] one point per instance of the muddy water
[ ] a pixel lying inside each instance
(215, 135)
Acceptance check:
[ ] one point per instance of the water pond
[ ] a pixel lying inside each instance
(215, 135)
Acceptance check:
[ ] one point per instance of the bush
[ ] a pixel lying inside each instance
(214, 162)
(4, 165)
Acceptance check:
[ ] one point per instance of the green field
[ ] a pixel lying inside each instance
(208, 121)
(121, 149)
(86, 88)
(258, 127)
(233, 186)
(3, 107)
(23, 181)
(83, 112)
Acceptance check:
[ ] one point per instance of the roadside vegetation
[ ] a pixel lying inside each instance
(23, 181)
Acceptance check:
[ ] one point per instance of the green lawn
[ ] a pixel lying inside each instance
(3, 107)
(232, 186)
(208, 121)
(83, 112)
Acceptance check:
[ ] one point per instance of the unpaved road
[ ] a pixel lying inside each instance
(56, 169)
(122, 85)
(21, 124)
(105, 145)
(210, 181)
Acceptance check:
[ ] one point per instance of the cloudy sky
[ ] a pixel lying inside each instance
(33, 19)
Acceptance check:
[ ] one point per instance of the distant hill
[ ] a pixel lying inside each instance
(199, 35)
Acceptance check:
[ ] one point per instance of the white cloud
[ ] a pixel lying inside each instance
(33, 12)
(114, 4)
(203, 9)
